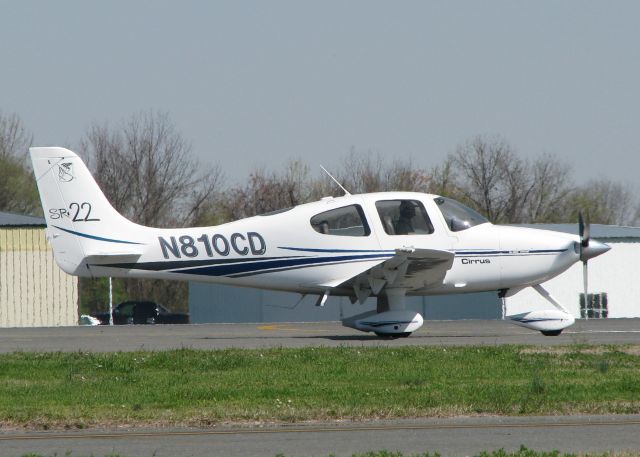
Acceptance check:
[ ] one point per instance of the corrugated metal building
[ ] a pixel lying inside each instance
(210, 303)
(613, 274)
(34, 292)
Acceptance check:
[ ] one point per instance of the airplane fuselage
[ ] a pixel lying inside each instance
(284, 251)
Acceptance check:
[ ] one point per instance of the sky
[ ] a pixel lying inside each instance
(253, 84)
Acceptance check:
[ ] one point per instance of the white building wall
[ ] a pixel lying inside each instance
(614, 272)
(34, 292)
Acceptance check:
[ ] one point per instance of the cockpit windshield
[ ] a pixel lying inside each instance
(458, 216)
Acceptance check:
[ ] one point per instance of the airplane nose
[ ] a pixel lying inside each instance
(594, 249)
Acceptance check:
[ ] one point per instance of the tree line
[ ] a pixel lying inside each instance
(148, 171)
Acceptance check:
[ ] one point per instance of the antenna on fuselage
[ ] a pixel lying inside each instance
(346, 192)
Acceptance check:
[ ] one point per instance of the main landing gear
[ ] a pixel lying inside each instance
(390, 319)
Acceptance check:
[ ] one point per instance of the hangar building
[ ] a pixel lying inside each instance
(34, 292)
(611, 279)
(613, 286)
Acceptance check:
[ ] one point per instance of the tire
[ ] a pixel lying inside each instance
(392, 336)
(551, 332)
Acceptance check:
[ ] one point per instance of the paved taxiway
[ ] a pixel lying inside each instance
(459, 436)
(462, 436)
(219, 336)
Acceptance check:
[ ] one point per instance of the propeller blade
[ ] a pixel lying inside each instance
(585, 279)
(587, 233)
(580, 225)
(584, 232)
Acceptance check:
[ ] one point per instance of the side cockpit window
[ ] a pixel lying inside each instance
(345, 221)
(404, 217)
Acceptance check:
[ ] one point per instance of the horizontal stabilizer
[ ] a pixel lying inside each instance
(112, 257)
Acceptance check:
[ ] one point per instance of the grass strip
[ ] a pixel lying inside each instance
(201, 388)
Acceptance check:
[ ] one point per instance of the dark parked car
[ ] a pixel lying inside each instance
(142, 312)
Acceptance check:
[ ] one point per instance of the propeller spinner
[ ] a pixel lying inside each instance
(589, 248)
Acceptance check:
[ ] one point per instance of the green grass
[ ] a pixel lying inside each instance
(189, 387)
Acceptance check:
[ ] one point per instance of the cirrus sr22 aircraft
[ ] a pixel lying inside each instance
(386, 245)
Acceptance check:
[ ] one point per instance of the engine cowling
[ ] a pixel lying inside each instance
(548, 321)
(392, 323)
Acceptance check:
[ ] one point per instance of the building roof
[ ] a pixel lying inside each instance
(19, 220)
(598, 231)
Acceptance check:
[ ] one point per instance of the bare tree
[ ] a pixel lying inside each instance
(443, 180)
(146, 170)
(490, 177)
(269, 191)
(403, 175)
(14, 137)
(364, 172)
(18, 192)
(605, 202)
(552, 186)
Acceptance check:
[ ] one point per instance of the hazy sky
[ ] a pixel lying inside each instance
(257, 83)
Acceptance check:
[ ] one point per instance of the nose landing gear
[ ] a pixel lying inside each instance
(549, 322)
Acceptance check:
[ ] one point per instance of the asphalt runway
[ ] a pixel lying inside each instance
(457, 436)
(220, 336)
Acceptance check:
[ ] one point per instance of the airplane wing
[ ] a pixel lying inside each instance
(409, 268)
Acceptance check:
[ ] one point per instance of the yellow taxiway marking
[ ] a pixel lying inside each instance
(289, 328)
(278, 327)
(313, 429)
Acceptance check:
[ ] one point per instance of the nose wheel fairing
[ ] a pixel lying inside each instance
(550, 322)
(547, 321)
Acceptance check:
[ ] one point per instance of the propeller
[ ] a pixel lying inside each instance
(588, 250)
(584, 232)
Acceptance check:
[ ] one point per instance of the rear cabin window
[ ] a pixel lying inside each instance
(345, 221)
(404, 217)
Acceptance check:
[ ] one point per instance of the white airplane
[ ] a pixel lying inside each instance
(388, 245)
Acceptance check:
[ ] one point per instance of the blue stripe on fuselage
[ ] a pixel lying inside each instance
(94, 237)
(258, 267)
(381, 251)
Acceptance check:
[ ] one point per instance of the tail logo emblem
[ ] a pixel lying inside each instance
(65, 172)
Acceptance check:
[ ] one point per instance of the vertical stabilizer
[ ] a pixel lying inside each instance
(80, 220)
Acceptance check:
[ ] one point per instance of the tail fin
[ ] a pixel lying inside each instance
(81, 223)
